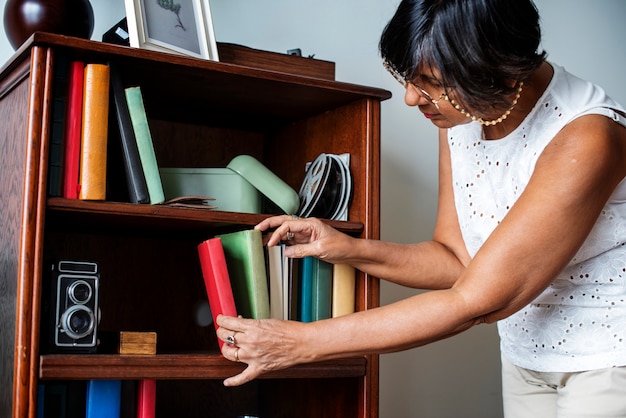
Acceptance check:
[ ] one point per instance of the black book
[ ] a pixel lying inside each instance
(135, 179)
(57, 135)
(62, 399)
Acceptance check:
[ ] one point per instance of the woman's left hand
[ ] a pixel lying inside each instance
(308, 237)
(264, 345)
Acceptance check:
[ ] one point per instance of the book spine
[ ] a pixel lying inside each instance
(63, 399)
(257, 275)
(57, 135)
(294, 288)
(135, 179)
(41, 400)
(73, 127)
(145, 146)
(128, 399)
(286, 280)
(306, 289)
(146, 399)
(322, 290)
(275, 273)
(216, 279)
(246, 265)
(94, 133)
(103, 398)
(344, 284)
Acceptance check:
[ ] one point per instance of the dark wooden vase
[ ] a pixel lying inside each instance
(66, 17)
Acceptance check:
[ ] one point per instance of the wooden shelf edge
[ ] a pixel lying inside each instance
(171, 215)
(179, 367)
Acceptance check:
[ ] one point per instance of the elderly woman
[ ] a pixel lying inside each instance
(531, 224)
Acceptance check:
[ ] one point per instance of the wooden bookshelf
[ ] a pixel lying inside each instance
(202, 114)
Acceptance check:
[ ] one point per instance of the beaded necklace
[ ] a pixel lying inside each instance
(481, 120)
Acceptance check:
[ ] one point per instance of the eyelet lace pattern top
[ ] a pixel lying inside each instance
(579, 322)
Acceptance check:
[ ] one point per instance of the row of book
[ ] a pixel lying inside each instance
(308, 289)
(97, 399)
(243, 277)
(83, 94)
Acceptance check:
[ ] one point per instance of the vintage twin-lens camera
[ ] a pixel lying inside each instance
(74, 310)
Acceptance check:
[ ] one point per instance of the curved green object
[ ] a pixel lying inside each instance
(266, 182)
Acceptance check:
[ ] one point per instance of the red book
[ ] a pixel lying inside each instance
(216, 279)
(73, 128)
(146, 399)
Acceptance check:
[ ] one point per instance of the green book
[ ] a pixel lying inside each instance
(322, 285)
(245, 259)
(139, 120)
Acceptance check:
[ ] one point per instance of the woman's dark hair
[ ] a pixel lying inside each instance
(478, 46)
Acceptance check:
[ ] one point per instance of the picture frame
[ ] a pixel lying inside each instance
(177, 26)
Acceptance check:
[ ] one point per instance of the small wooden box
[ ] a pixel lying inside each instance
(274, 61)
(137, 342)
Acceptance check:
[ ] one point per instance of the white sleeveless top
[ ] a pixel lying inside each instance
(579, 322)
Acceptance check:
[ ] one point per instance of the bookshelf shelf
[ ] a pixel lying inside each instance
(201, 114)
(107, 214)
(181, 366)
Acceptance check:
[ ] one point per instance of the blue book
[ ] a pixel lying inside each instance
(103, 398)
(306, 289)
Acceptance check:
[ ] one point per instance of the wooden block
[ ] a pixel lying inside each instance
(137, 342)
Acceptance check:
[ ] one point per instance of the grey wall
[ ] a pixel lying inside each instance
(459, 377)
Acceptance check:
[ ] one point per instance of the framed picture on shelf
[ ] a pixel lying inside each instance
(177, 26)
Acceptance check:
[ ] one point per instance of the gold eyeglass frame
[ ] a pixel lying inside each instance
(405, 83)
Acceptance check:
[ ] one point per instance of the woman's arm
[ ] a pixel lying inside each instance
(573, 179)
(432, 264)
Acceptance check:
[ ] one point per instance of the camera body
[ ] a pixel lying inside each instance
(74, 309)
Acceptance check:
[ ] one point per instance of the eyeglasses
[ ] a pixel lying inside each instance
(401, 78)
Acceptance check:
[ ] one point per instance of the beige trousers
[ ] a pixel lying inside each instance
(590, 394)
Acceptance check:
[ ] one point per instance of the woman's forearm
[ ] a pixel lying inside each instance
(406, 324)
(427, 265)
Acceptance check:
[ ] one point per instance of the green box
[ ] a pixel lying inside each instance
(232, 193)
(239, 187)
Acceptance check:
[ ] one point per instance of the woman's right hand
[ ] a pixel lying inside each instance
(307, 237)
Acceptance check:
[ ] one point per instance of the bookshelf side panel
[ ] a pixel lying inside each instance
(12, 156)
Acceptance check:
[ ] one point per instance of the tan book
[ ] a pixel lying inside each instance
(343, 290)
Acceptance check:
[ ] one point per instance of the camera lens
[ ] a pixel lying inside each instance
(77, 321)
(79, 291)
